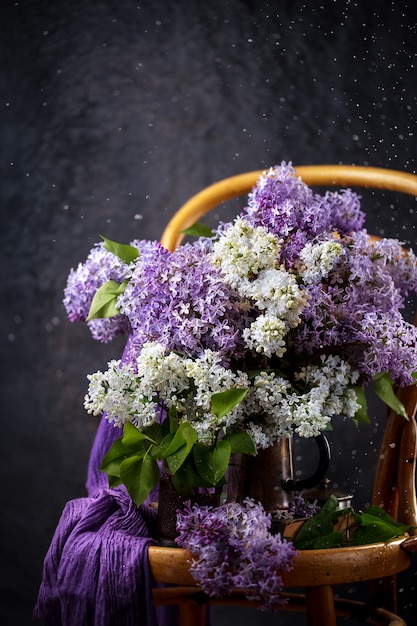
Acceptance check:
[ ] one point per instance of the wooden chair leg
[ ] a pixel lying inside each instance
(192, 607)
(383, 593)
(320, 607)
(192, 614)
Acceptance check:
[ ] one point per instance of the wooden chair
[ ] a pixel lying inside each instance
(317, 571)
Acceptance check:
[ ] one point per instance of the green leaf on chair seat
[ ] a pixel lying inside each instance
(337, 528)
(376, 525)
(317, 527)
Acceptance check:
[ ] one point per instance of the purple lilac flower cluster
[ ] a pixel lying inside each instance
(83, 282)
(357, 312)
(288, 208)
(234, 549)
(182, 301)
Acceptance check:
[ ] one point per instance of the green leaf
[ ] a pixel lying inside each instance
(361, 414)
(153, 432)
(198, 230)
(371, 533)
(332, 540)
(377, 525)
(222, 403)
(105, 300)
(241, 443)
(376, 512)
(139, 476)
(125, 252)
(317, 527)
(135, 440)
(113, 458)
(180, 446)
(164, 445)
(177, 458)
(173, 420)
(212, 463)
(114, 481)
(384, 390)
(183, 435)
(187, 478)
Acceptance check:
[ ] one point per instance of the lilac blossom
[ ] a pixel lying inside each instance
(83, 282)
(99, 267)
(287, 207)
(356, 311)
(234, 549)
(344, 209)
(181, 300)
(137, 392)
(299, 508)
(106, 329)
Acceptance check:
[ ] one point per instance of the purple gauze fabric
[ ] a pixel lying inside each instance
(96, 571)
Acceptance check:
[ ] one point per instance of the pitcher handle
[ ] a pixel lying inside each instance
(297, 484)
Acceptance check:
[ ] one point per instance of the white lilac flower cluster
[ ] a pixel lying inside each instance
(317, 260)
(160, 381)
(248, 259)
(306, 407)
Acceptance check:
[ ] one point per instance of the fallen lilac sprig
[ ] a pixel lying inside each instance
(234, 549)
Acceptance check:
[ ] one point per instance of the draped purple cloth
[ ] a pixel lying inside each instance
(96, 571)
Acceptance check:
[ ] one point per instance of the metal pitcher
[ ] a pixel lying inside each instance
(268, 477)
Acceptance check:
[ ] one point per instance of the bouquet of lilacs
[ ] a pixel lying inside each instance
(270, 325)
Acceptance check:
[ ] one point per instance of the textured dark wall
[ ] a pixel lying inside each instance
(113, 113)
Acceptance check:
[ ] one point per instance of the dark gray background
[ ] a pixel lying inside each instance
(115, 112)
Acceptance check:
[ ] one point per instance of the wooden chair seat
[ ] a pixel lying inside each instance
(334, 566)
(317, 571)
